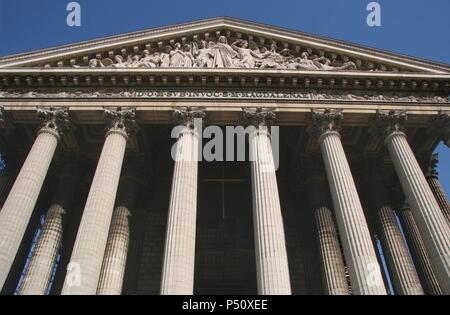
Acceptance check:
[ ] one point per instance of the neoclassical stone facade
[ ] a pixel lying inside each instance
(100, 197)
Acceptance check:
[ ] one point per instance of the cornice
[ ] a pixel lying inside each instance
(223, 71)
(24, 80)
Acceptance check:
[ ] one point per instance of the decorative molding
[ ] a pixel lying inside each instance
(54, 120)
(325, 120)
(224, 94)
(121, 121)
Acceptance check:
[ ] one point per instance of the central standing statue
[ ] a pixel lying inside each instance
(223, 54)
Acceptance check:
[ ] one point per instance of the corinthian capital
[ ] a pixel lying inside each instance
(441, 126)
(186, 116)
(390, 122)
(258, 116)
(121, 121)
(325, 120)
(54, 121)
(432, 171)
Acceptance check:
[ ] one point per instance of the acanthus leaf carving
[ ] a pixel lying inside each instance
(258, 116)
(441, 127)
(389, 122)
(325, 120)
(121, 120)
(54, 120)
(186, 116)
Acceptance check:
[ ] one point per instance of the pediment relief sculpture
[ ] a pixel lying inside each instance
(221, 53)
(220, 43)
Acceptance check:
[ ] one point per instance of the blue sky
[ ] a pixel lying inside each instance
(417, 28)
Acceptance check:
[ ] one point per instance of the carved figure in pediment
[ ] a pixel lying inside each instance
(165, 57)
(204, 55)
(272, 59)
(254, 46)
(223, 54)
(150, 60)
(177, 56)
(119, 62)
(134, 61)
(189, 59)
(324, 63)
(302, 63)
(95, 63)
(246, 55)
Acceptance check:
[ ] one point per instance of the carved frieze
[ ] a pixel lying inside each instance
(222, 52)
(227, 94)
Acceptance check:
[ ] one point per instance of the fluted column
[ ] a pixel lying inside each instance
(179, 252)
(401, 267)
(114, 262)
(332, 262)
(418, 252)
(87, 256)
(365, 273)
(19, 204)
(436, 188)
(42, 261)
(270, 244)
(434, 229)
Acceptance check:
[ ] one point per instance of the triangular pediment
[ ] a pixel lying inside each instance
(222, 43)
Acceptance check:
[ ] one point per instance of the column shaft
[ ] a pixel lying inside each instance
(419, 253)
(365, 273)
(270, 244)
(115, 259)
(401, 267)
(114, 262)
(86, 261)
(434, 229)
(19, 205)
(179, 253)
(41, 264)
(332, 262)
(400, 264)
(440, 196)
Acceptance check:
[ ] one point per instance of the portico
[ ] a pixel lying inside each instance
(143, 213)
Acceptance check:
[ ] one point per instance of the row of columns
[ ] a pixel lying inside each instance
(399, 262)
(99, 255)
